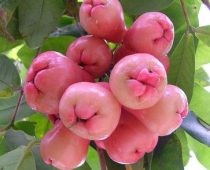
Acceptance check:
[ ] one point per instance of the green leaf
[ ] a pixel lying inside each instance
(182, 65)
(9, 76)
(169, 155)
(202, 55)
(203, 34)
(175, 13)
(201, 151)
(7, 10)
(14, 138)
(42, 124)
(59, 44)
(85, 166)
(7, 107)
(6, 45)
(93, 159)
(37, 19)
(18, 159)
(26, 55)
(200, 102)
(140, 164)
(202, 77)
(184, 145)
(26, 126)
(138, 7)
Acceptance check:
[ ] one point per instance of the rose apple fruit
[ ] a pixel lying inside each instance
(138, 81)
(92, 54)
(103, 19)
(89, 110)
(167, 114)
(62, 148)
(130, 140)
(47, 79)
(152, 32)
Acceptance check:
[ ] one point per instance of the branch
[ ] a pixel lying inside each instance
(186, 16)
(128, 167)
(207, 3)
(102, 158)
(11, 124)
(15, 112)
(192, 125)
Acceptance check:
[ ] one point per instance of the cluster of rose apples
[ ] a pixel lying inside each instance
(124, 116)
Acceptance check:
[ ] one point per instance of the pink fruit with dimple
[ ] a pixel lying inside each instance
(138, 81)
(62, 148)
(89, 110)
(103, 19)
(92, 54)
(166, 115)
(130, 140)
(123, 51)
(48, 77)
(152, 32)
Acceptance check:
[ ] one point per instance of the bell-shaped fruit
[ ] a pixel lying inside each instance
(130, 140)
(62, 148)
(138, 81)
(103, 19)
(89, 110)
(47, 79)
(92, 54)
(152, 32)
(167, 114)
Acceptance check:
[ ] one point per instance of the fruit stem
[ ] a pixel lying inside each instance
(128, 167)
(102, 158)
(186, 16)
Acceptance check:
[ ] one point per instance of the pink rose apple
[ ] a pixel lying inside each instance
(130, 140)
(89, 110)
(62, 148)
(47, 79)
(92, 54)
(152, 32)
(138, 81)
(166, 115)
(103, 19)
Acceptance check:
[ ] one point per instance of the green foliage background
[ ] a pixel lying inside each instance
(30, 26)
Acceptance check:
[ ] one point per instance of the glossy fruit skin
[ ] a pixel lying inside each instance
(110, 26)
(138, 81)
(123, 51)
(152, 32)
(167, 114)
(130, 140)
(92, 54)
(62, 148)
(48, 77)
(89, 110)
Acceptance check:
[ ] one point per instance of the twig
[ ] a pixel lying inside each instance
(186, 16)
(15, 112)
(128, 167)
(11, 124)
(102, 158)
